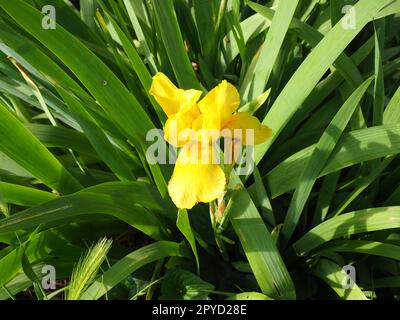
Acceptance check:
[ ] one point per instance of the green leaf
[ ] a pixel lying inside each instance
(174, 45)
(24, 196)
(69, 19)
(133, 261)
(34, 56)
(29, 153)
(363, 184)
(28, 270)
(390, 9)
(354, 147)
(88, 13)
(61, 137)
(184, 285)
(251, 27)
(132, 7)
(19, 283)
(38, 248)
(326, 194)
(125, 201)
(333, 275)
(379, 85)
(257, 76)
(312, 70)
(249, 296)
(255, 104)
(183, 224)
(108, 153)
(259, 247)
(392, 111)
(347, 224)
(263, 198)
(343, 64)
(139, 67)
(316, 162)
(335, 9)
(204, 12)
(387, 250)
(123, 108)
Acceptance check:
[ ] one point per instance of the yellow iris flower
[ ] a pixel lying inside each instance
(197, 176)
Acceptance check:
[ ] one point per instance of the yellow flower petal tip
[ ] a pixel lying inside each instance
(251, 130)
(169, 97)
(165, 93)
(193, 181)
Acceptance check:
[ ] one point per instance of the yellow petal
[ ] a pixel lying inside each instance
(178, 128)
(166, 94)
(197, 123)
(249, 129)
(209, 136)
(169, 97)
(194, 180)
(218, 105)
(190, 97)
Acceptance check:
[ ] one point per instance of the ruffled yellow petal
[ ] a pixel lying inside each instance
(195, 180)
(178, 128)
(169, 97)
(243, 121)
(209, 136)
(218, 105)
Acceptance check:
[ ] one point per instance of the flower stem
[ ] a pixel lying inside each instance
(218, 240)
